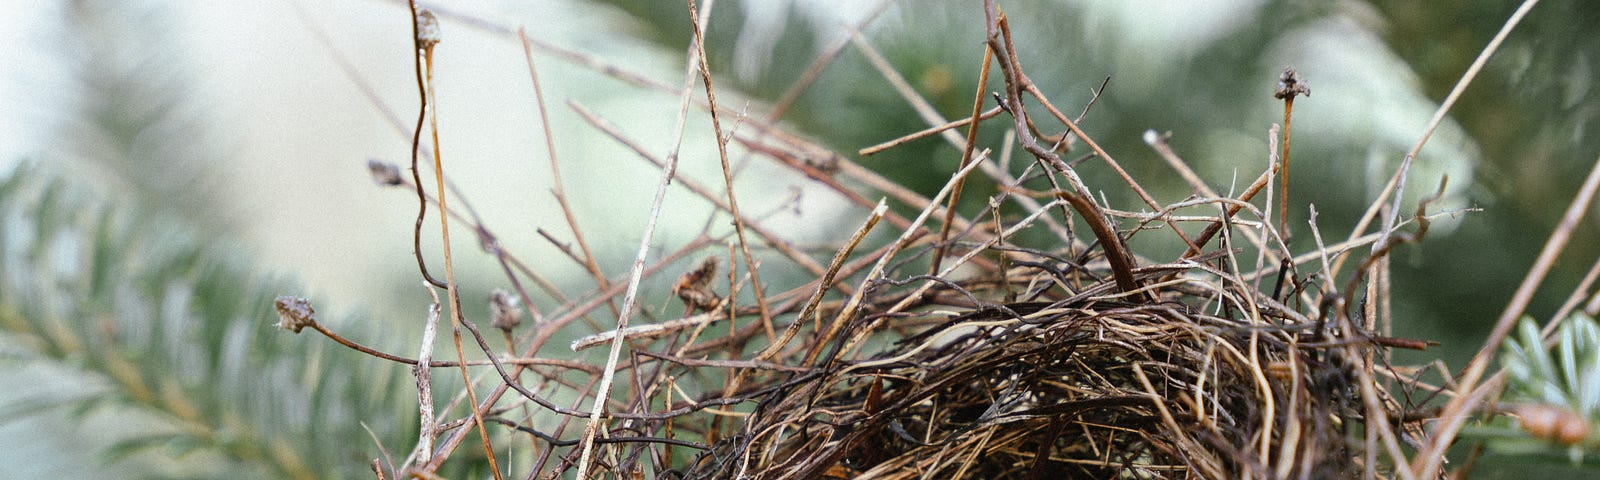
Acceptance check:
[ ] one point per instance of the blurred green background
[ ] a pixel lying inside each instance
(242, 131)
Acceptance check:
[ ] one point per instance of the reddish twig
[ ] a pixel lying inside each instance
(1290, 85)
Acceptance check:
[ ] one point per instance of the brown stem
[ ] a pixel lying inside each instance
(1078, 194)
(966, 157)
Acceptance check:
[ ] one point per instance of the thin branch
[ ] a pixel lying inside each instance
(426, 28)
(849, 310)
(588, 262)
(636, 272)
(1290, 85)
(936, 129)
(822, 288)
(429, 427)
(1456, 412)
(966, 157)
(1078, 195)
(722, 155)
(772, 239)
(649, 331)
(1158, 142)
(1396, 185)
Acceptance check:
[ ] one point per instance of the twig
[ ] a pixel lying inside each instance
(1454, 412)
(815, 69)
(1457, 411)
(426, 28)
(856, 172)
(1396, 185)
(907, 92)
(771, 238)
(1159, 143)
(966, 157)
(423, 54)
(636, 272)
(548, 331)
(1019, 82)
(1167, 418)
(822, 288)
(1576, 297)
(848, 311)
(872, 150)
(1078, 195)
(388, 174)
(555, 173)
(698, 23)
(650, 331)
(552, 362)
(424, 374)
(1290, 85)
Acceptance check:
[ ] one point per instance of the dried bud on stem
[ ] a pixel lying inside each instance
(504, 312)
(1553, 423)
(1290, 84)
(694, 286)
(385, 173)
(294, 313)
(427, 30)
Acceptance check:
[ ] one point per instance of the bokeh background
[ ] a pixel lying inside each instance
(251, 124)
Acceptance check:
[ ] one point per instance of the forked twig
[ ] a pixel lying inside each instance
(588, 260)
(1078, 194)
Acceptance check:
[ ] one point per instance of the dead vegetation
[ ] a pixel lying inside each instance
(960, 348)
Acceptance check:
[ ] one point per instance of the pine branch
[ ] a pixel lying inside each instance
(181, 331)
(138, 119)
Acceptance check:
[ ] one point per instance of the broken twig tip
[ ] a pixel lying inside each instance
(1152, 138)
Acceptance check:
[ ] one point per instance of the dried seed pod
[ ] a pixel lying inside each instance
(694, 286)
(504, 313)
(385, 173)
(294, 313)
(1553, 423)
(427, 29)
(1290, 84)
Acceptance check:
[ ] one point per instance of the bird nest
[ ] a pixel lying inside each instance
(1041, 363)
(1089, 360)
(1029, 340)
(1199, 376)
